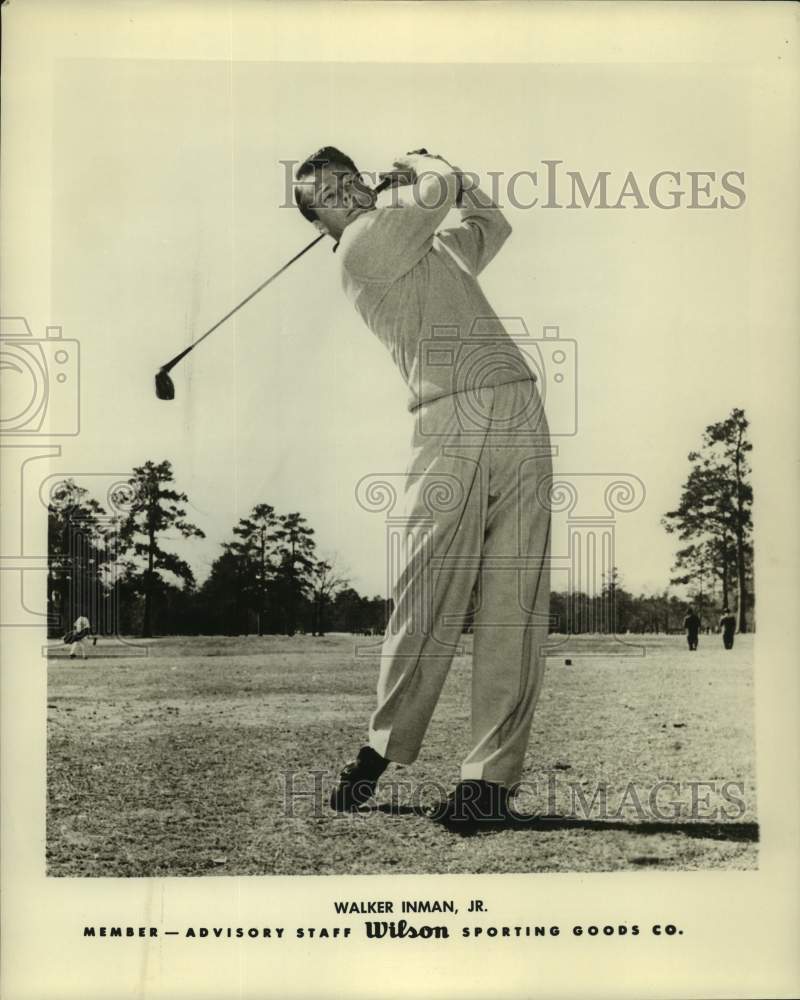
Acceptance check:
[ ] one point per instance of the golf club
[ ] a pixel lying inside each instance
(165, 388)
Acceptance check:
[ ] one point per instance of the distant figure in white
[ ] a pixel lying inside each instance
(80, 636)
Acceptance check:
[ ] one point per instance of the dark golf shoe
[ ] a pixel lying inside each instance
(472, 806)
(357, 781)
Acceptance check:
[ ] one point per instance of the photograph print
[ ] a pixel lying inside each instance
(402, 519)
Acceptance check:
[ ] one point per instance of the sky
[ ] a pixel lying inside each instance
(168, 206)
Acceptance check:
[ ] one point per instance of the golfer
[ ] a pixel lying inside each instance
(80, 635)
(479, 453)
(727, 624)
(691, 625)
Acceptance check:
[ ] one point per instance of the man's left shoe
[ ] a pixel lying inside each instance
(473, 805)
(357, 781)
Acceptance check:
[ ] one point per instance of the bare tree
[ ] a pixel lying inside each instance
(327, 580)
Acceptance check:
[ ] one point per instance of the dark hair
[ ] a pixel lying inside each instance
(326, 157)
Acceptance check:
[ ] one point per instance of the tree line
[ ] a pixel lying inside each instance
(119, 569)
(617, 611)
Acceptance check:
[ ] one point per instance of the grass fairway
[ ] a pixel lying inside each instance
(173, 763)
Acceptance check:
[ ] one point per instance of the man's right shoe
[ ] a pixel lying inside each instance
(357, 781)
(472, 806)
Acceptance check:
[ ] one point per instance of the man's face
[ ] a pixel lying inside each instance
(340, 196)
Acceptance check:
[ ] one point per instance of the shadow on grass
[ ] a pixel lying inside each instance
(520, 822)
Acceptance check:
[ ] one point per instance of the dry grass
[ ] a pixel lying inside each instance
(173, 763)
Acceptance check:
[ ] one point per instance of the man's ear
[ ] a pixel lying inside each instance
(320, 225)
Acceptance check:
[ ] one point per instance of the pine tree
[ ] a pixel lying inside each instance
(714, 512)
(155, 509)
(256, 553)
(295, 553)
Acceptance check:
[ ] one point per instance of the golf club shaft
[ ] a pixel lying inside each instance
(386, 182)
(171, 364)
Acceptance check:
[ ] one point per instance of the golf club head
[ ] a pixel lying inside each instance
(164, 385)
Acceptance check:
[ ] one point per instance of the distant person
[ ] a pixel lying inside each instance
(728, 625)
(80, 634)
(691, 625)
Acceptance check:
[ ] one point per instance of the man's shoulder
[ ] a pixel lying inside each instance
(378, 222)
(354, 236)
(368, 245)
(369, 224)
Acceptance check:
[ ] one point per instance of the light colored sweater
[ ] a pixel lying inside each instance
(416, 288)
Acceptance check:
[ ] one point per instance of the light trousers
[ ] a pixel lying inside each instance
(476, 535)
(82, 644)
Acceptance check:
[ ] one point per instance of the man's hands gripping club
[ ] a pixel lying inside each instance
(430, 172)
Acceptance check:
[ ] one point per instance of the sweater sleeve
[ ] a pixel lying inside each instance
(385, 244)
(483, 230)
